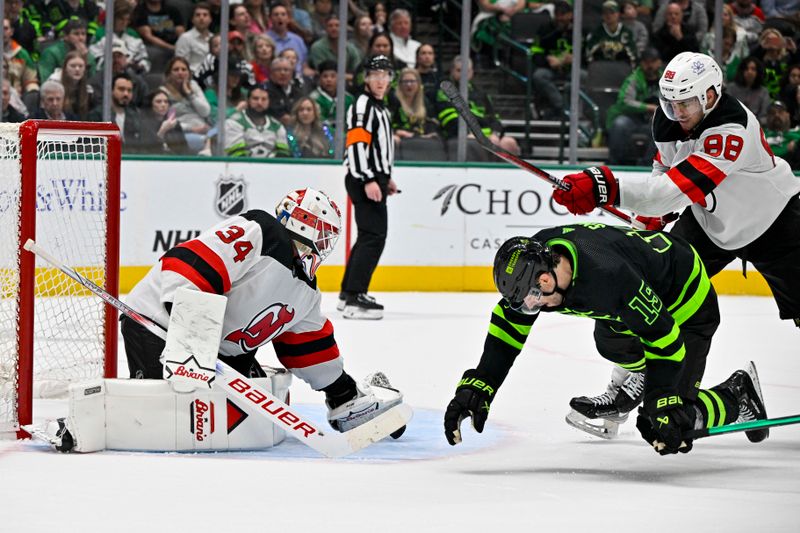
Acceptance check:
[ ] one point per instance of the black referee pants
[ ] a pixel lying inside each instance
(775, 254)
(372, 223)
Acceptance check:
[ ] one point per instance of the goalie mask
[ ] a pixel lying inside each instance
(313, 220)
(517, 266)
(684, 84)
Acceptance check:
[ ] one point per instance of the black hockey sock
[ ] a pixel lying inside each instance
(717, 406)
(340, 391)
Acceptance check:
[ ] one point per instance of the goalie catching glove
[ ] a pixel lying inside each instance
(662, 422)
(473, 398)
(594, 187)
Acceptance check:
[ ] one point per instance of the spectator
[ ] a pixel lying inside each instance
(52, 102)
(325, 93)
(252, 132)
(160, 24)
(206, 73)
(380, 45)
(284, 90)
(773, 50)
(787, 9)
(362, 33)
(749, 17)
(237, 45)
(120, 64)
(279, 16)
(307, 135)
(429, 74)
(236, 95)
(379, 15)
(303, 82)
(73, 38)
(193, 44)
(300, 21)
(493, 18)
(26, 25)
(159, 117)
(633, 112)
(481, 106)
(259, 16)
(10, 113)
(748, 87)
(410, 109)
(186, 97)
(136, 139)
(735, 45)
(404, 47)
(21, 68)
(693, 16)
(263, 54)
(553, 62)
(240, 21)
(641, 35)
(790, 93)
(79, 97)
(326, 49)
(674, 36)
(56, 14)
(611, 41)
(781, 137)
(14, 97)
(138, 59)
(322, 8)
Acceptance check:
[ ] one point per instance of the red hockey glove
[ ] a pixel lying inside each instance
(595, 186)
(657, 223)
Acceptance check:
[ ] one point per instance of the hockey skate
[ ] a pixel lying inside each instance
(375, 395)
(745, 387)
(54, 432)
(602, 415)
(362, 306)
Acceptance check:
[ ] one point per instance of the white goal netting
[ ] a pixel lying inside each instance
(70, 220)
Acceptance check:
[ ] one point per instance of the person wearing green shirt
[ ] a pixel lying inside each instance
(326, 48)
(73, 38)
(325, 93)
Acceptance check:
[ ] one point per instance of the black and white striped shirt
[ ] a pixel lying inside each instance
(369, 151)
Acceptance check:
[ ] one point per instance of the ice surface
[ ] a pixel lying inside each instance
(529, 471)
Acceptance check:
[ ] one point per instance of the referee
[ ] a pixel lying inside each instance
(369, 156)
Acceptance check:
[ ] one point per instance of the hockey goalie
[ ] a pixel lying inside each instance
(246, 282)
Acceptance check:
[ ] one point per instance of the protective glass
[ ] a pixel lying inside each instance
(318, 239)
(681, 109)
(531, 303)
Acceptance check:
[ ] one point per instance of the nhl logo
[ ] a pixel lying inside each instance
(231, 198)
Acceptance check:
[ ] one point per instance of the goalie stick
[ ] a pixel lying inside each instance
(254, 399)
(475, 128)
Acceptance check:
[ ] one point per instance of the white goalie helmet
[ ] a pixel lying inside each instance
(689, 76)
(313, 220)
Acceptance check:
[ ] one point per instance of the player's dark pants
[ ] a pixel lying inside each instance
(372, 222)
(697, 332)
(775, 254)
(143, 350)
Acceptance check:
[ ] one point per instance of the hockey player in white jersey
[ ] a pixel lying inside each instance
(738, 201)
(266, 268)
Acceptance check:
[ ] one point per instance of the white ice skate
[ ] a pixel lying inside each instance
(602, 415)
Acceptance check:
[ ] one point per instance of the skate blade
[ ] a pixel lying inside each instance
(599, 427)
(756, 436)
(361, 314)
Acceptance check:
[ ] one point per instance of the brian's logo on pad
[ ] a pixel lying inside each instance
(267, 325)
(201, 415)
(189, 371)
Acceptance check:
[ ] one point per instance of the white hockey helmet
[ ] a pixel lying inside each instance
(689, 75)
(313, 220)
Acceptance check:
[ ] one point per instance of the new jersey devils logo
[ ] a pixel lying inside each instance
(263, 328)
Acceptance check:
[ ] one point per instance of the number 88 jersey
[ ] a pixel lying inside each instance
(724, 169)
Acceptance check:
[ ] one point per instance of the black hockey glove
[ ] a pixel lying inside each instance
(662, 422)
(474, 395)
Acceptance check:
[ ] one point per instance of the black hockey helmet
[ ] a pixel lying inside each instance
(517, 266)
(379, 62)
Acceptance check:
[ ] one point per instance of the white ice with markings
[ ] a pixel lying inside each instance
(529, 470)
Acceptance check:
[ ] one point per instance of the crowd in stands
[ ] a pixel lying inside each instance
(283, 59)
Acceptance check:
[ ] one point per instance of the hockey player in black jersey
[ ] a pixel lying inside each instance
(739, 200)
(648, 286)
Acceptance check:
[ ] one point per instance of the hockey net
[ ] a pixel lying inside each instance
(59, 185)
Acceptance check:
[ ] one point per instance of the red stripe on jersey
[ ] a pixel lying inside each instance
(308, 336)
(214, 261)
(187, 271)
(316, 358)
(686, 186)
(707, 168)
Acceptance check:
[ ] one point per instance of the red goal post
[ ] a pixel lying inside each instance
(59, 185)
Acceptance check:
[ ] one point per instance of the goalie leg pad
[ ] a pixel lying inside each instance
(148, 415)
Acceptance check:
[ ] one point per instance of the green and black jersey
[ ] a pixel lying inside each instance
(644, 283)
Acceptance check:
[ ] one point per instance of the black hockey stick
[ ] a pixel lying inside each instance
(475, 128)
(744, 426)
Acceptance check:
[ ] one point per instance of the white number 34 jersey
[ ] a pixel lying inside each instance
(724, 169)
